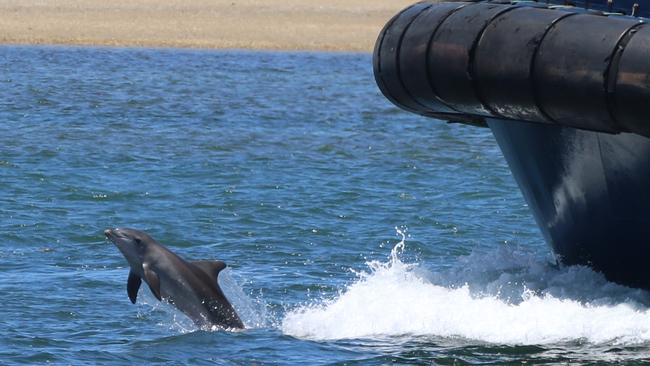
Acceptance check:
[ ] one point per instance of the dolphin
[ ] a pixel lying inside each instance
(191, 286)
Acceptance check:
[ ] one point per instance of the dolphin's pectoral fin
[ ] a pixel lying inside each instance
(152, 280)
(133, 285)
(211, 268)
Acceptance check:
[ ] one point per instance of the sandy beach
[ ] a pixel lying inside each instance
(333, 25)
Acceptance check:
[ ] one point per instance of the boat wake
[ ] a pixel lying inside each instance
(505, 297)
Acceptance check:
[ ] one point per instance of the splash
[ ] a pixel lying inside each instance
(167, 315)
(505, 297)
(252, 311)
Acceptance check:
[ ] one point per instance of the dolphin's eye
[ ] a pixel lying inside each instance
(138, 241)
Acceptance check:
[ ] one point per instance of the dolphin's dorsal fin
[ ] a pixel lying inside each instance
(211, 268)
(152, 280)
(133, 285)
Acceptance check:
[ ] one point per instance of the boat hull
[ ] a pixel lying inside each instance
(565, 91)
(589, 192)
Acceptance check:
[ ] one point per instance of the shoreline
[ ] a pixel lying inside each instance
(126, 47)
(118, 46)
(268, 25)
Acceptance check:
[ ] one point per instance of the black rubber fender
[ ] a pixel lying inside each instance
(526, 28)
(571, 70)
(632, 85)
(413, 56)
(451, 56)
(467, 61)
(386, 64)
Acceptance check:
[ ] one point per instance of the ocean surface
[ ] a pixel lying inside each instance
(355, 233)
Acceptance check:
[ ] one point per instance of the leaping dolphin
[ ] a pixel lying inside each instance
(190, 286)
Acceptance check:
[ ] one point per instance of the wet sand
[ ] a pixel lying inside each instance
(336, 25)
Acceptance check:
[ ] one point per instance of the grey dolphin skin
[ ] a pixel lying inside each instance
(190, 286)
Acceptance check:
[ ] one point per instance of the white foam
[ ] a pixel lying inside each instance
(505, 296)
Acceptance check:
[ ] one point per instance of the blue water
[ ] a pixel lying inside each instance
(355, 233)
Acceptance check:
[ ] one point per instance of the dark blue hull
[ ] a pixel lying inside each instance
(589, 192)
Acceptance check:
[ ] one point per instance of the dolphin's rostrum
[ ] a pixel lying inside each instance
(191, 286)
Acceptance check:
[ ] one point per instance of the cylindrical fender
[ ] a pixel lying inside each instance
(572, 67)
(413, 55)
(504, 61)
(632, 84)
(465, 61)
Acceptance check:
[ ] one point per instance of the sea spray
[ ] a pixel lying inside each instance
(508, 298)
(166, 315)
(251, 309)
